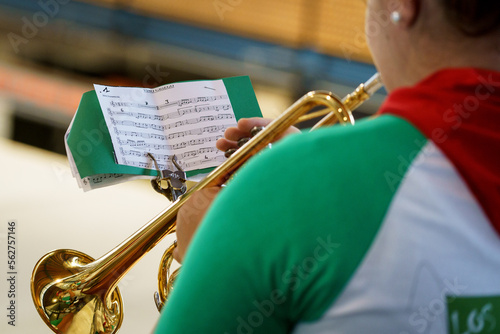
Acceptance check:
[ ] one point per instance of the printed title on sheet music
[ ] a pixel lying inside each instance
(158, 89)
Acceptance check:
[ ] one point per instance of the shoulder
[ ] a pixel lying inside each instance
(308, 209)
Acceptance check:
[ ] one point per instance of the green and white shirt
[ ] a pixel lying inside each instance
(374, 228)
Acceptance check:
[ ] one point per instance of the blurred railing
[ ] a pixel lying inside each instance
(293, 46)
(333, 27)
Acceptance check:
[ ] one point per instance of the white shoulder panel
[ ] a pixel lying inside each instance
(435, 242)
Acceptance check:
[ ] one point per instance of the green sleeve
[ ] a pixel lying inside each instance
(284, 237)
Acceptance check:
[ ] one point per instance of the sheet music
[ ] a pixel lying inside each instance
(184, 119)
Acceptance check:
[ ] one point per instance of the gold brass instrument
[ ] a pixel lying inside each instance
(73, 293)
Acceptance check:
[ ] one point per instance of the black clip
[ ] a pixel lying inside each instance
(176, 181)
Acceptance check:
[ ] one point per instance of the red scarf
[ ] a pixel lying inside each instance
(459, 110)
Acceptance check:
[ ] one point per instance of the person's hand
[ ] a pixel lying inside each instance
(245, 126)
(189, 217)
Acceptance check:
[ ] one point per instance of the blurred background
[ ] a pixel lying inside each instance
(52, 51)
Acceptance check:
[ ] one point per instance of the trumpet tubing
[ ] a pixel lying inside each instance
(72, 290)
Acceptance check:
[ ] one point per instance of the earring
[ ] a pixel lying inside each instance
(395, 17)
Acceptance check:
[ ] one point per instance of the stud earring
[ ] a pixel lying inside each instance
(395, 17)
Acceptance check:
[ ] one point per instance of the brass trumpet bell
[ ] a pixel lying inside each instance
(70, 301)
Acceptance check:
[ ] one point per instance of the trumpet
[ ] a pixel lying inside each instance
(72, 290)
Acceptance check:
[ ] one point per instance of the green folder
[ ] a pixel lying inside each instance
(90, 143)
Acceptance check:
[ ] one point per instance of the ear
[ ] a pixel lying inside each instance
(408, 10)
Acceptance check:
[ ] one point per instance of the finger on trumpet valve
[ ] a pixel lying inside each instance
(255, 130)
(229, 152)
(243, 141)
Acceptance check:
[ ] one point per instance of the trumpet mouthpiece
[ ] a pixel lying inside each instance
(373, 84)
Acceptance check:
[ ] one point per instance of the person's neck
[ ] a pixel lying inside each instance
(481, 53)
